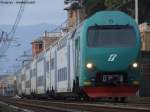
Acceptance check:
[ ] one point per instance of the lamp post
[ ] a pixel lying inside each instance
(136, 11)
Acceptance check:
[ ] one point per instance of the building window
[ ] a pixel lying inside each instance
(40, 46)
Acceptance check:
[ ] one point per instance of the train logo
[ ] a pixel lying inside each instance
(112, 57)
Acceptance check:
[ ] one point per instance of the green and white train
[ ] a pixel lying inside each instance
(100, 58)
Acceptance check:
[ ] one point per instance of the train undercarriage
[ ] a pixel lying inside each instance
(112, 90)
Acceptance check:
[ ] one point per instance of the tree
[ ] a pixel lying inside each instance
(127, 6)
(111, 3)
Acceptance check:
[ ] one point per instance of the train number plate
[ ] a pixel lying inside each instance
(112, 77)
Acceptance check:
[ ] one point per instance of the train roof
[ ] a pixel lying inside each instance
(110, 17)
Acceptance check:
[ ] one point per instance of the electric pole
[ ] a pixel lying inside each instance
(136, 11)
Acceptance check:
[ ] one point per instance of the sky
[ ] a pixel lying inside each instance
(42, 12)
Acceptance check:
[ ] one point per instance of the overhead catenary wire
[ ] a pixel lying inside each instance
(59, 28)
(3, 42)
(7, 39)
(18, 18)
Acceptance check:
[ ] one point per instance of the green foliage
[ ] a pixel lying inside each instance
(107, 3)
(90, 2)
(111, 3)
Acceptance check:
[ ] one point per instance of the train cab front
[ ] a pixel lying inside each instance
(111, 64)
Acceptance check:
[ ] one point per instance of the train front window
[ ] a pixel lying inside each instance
(111, 36)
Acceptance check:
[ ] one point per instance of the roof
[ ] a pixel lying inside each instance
(39, 40)
(52, 34)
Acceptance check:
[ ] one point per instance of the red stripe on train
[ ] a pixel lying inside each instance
(118, 91)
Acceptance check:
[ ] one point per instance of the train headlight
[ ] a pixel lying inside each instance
(135, 65)
(136, 83)
(89, 65)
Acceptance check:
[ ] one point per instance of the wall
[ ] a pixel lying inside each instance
(145, 76)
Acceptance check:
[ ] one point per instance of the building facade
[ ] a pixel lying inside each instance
(145, 34)
(8, 85)
(42, 43)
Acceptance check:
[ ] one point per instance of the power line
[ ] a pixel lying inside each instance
(60, 27)
(18, 18)
(16, 2)
(7, 39)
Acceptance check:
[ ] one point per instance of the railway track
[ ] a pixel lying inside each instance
(72, 106)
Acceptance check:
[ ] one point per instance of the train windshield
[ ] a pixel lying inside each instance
(111, 36)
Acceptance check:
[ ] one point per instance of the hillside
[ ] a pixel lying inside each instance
(24, 36)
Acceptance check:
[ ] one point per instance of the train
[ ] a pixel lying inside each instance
(100, 58)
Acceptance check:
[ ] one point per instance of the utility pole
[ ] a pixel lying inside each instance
(78, 13)
(1, 37)
(77, 6)
(136, 11)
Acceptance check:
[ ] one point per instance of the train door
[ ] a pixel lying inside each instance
(71, 65)
(40, 76)
(47, 71)
(62, 66)
(33, 76)
(55, 68)
(77, 56)
(68, 66)
(52, 70)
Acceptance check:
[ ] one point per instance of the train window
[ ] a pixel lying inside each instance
(31, 73)
(47, 66)
(111, 36)
(62, 74)
(40, 81)
(19, 86)
(52, 63)
(66, 73)
(34, 72)
(62, 44)
(28, 83)
(58, 75)
(23, 77)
